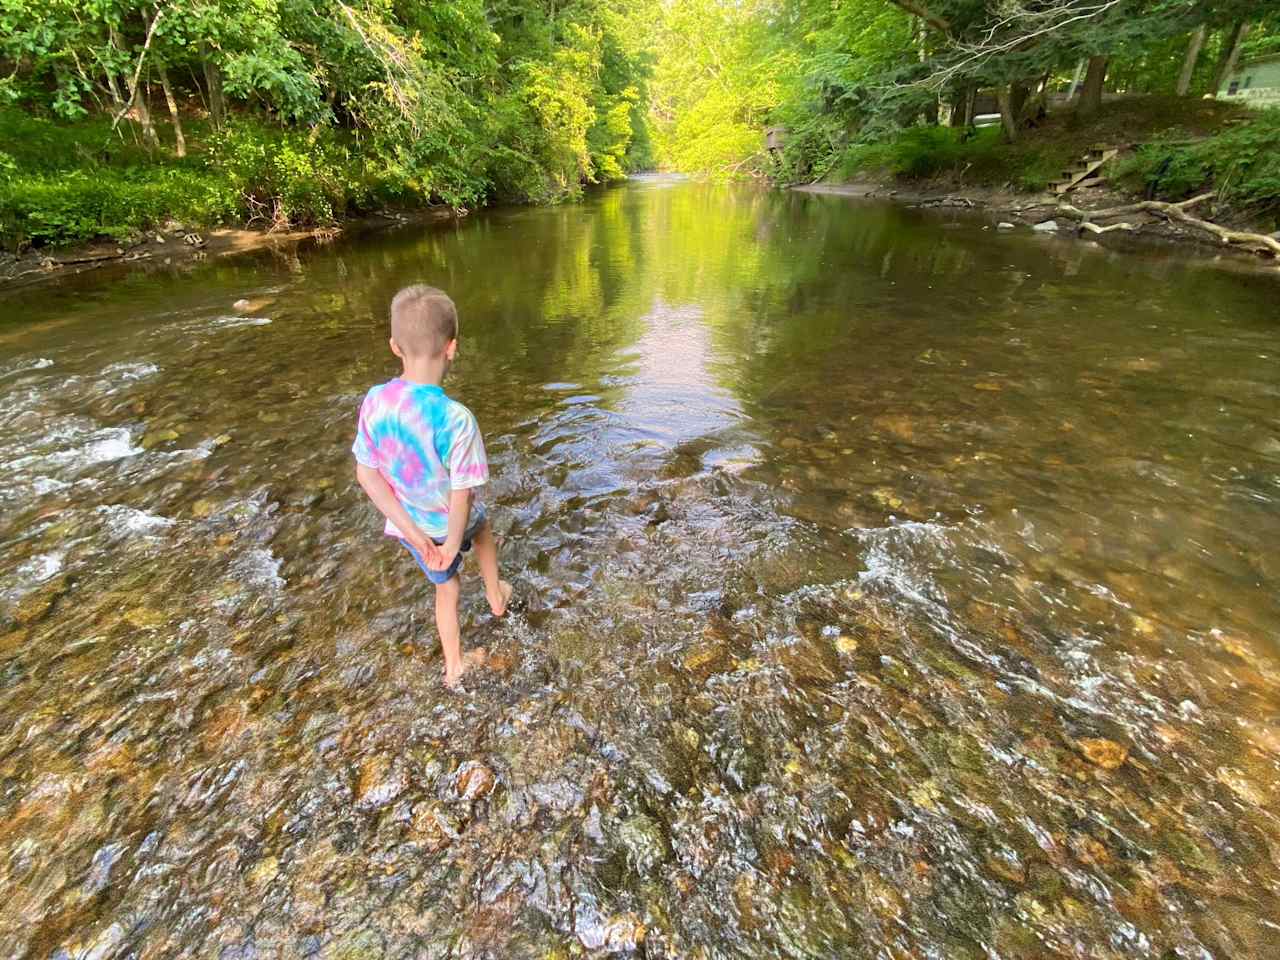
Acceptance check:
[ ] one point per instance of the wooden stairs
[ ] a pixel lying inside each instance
(1084, 168)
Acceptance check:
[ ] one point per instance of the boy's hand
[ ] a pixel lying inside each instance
(444, 556)
(426, 547)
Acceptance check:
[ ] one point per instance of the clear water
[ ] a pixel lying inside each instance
(889, 588)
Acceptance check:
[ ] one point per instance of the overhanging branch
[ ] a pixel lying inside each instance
(925, 14)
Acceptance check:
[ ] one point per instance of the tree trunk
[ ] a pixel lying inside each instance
(1008, 118)
(181, 141)
(1091, 93)
(1075, 80)
(213, 81)
(1189, 64)
(113, 87)
(1018, 94)
(961, 97)
(143, 113)
(1230, 55)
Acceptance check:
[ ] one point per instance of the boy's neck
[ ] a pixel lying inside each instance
(424, 371)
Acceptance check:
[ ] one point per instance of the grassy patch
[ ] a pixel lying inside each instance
(973, 157)
(1241, 164)
(982, 158)
(68, 183)
(77, 205)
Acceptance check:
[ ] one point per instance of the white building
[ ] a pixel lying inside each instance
(1255, 82)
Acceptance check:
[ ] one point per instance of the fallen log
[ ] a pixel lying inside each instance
(1256, 242)
(1094, 228)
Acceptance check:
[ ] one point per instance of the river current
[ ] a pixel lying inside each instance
(887, 587)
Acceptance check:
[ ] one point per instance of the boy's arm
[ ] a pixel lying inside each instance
(459, 515)
(385, 499)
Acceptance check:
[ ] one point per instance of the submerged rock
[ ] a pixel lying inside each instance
(473, 780)
(1103, 753)
(642, 839)
(623, 933)
(157, 437)
(263, 872)
(100, 869)
(380, 782)
(1046, 226)
(432, 827)
(36, 604)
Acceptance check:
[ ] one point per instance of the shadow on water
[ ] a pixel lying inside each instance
(889, 588)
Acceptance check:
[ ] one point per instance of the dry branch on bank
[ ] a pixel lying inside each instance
(1256, 242)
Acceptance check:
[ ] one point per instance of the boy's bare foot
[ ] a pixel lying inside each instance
(472, 658)
(499, 608)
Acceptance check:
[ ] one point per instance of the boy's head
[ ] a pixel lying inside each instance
(424, 324)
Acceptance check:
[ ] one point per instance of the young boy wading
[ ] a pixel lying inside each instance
(419, 457)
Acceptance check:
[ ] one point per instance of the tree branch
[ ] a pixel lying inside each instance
(137, 71)
(1257, 242)
(925, 14)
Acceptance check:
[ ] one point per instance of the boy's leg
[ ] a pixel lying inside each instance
(447, 624)
(497, 591)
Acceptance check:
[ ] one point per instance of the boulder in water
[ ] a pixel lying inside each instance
(473, 780)
(1106, 754)
(380, 782)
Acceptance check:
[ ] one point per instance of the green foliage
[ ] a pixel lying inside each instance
(718, 81)
(857, 72)
(331, 106)
(1242, 164)
(289, 177)
(81, 205)
(981, 156)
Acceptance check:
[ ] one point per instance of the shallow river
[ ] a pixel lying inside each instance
(888, 588)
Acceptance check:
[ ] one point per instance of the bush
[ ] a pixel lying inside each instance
(82, 205)
(289, 177)
(1242, 164)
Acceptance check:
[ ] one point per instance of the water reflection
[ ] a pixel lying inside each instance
(889, 588)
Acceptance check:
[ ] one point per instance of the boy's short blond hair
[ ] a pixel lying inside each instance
(423, 320)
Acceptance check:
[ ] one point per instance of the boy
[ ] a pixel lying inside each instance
(419, 455)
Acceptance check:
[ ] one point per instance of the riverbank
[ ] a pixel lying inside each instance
(1007, 209)
(1200, 172)
(175, 245)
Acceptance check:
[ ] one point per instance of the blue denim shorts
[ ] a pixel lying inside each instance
(474, 524)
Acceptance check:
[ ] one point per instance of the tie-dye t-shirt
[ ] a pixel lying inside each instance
(425, 445)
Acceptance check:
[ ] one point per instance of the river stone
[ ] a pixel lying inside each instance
(379, 783)
(846, 645)
(1004, 225)
(432, 827)
(357, 945)
(623, 933)
(104, 946)
(263, 872)
(473, 780)
(1046, 226)
(641, 838)
(158, 437)
(143, 618)
(1103, 753)
(36, 604)
(100, 869)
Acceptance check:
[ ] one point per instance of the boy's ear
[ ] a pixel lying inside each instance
(451, 349)
(395, 348)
